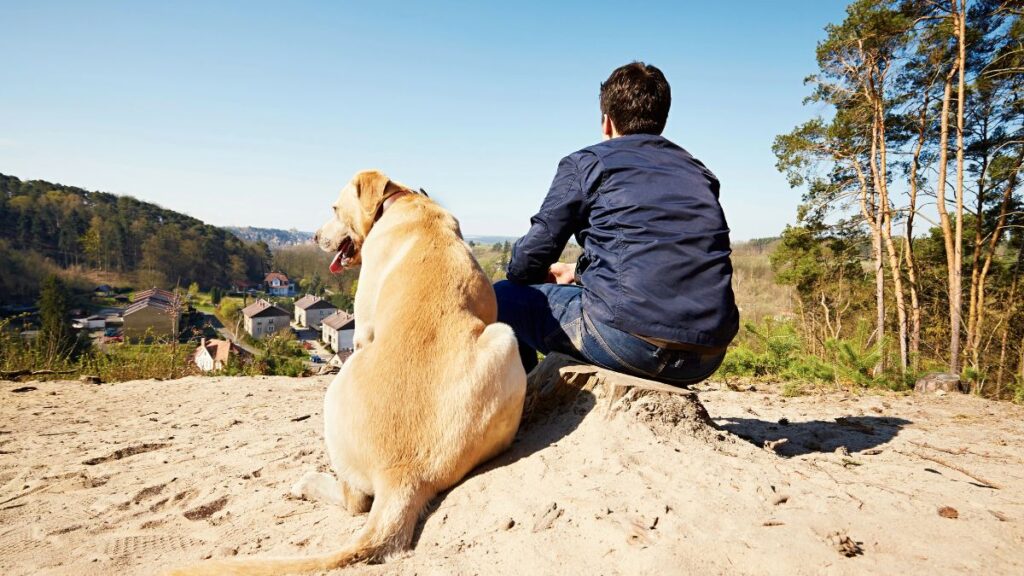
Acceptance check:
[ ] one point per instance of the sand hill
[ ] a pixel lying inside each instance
(134, 477)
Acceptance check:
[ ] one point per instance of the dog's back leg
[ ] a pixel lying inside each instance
(318, 486)
(389, 528)
(324, 487)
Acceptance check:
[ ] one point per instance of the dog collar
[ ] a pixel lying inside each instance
(388, 202)
(391, 200)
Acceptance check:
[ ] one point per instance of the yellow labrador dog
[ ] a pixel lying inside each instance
(434, 388)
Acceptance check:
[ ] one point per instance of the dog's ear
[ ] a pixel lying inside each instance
(373, 188)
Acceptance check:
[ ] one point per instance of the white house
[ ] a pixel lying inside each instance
(91, 323)
(278, 284)
(214, 354)
(311, 310)
(338, 330)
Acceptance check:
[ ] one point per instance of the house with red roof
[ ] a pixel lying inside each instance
(278, 284)
(214, 354)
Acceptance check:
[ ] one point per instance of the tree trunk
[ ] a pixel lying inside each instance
(915, 304)
(876, 245)
(873, 215)
(946, 225)
(990, 252)
(956, 296)
(886, 229)
(973, 308)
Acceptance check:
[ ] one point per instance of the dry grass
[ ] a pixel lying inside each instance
(757, 294)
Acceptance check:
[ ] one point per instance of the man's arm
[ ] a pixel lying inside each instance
(561, 215)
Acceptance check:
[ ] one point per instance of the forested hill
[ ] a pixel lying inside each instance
(45, 225)
(274, 237)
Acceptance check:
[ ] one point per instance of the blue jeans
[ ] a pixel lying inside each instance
(550, 318)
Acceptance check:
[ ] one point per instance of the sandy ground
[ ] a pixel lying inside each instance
(134, 477)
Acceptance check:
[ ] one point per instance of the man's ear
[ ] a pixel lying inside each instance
(607, 127)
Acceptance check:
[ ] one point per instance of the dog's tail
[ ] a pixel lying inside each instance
(389, 529)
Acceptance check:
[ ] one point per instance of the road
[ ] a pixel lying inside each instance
(226, 334)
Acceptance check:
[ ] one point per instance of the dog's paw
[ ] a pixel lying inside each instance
(316, 486)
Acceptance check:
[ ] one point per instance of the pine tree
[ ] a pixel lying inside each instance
(55, 336)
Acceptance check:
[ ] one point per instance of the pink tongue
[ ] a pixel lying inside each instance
(336, 264)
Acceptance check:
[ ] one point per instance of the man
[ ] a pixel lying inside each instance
(651, 295)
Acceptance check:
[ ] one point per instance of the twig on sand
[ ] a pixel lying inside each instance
(964, 450)
(12, 374)
(951, 466)
(938, 448)
(25, 493)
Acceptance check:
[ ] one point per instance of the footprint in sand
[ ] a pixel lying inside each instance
(124, 453)
(206, 510)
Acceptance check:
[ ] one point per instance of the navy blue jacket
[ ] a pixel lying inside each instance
(655, 242)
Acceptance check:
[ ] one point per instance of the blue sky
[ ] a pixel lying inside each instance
(256, 113)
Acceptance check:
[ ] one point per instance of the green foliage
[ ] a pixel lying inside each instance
(23, 271)
(283, 356)
(792, 388)
(854, 364)
(121, 362)
(112, 363)
(55, 336)
(64, 226)
(773, 351)
(308, 266)
(343, 301)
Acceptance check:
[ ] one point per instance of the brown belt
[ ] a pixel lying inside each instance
(683, 346)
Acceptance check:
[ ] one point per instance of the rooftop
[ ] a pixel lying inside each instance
(263, 307)
(340, 320)
(309, 301)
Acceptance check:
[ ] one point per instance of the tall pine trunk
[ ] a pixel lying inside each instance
(912, 281)
(956, 293)
(884, 224)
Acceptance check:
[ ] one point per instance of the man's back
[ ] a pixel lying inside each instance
(655, 240)
(656, 299)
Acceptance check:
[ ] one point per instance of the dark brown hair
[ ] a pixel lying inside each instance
(637, 98)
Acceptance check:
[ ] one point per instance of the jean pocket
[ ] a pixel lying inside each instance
(689, 368)
(566, 339)
(618, 350)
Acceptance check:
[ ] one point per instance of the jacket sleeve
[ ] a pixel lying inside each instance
(561, 215)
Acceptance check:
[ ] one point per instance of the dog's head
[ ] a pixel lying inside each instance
(355, 212)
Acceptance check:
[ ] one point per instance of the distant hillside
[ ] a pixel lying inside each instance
(44, 226)
(490, 239)
(274, 237)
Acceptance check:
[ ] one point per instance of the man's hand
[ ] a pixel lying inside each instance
(562, 273)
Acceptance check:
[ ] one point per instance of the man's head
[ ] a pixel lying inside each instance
(635, 100)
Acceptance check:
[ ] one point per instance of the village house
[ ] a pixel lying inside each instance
(215, 354)
(94, 322)
(338, 330)
(311, 310)
(339, 359)
(153, 313)
(262, 319)
(278, 284)
(243, 286)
